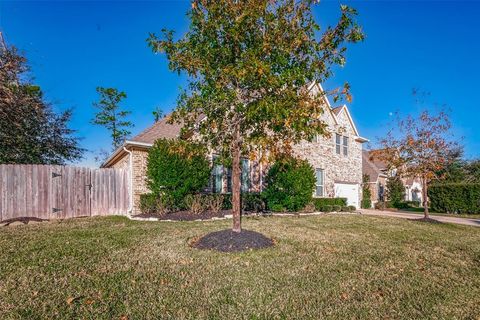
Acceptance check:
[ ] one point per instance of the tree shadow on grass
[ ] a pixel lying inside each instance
(230, 241)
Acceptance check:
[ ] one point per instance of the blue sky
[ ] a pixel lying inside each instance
(73, 47)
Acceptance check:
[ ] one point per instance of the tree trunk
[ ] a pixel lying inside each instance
(236, 184)
(425, 198)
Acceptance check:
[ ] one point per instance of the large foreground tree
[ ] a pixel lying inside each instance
(30, 131)
(420, 147)
(249, 65)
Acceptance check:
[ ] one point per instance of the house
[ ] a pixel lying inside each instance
(337, 159)
(378, 174)
(377, 178)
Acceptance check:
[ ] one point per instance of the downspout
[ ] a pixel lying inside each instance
(130, 207)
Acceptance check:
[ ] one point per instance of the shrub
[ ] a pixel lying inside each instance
(321, 202)
(309, 208)
(366, 202)
(253, 202)
(151, 203)
(395, 191)
(414, 203)
(352, 208)
(345, 209)
(227, 201)
(455, 197)
(195, 203)
(326, 208)
(290, 184)
(277, 208)
(336, 208)
(177, 168)
(214, 202)
(380, 205)
(148, 203)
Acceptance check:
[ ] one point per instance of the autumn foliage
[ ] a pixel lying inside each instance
(249, 65)
(419, 147)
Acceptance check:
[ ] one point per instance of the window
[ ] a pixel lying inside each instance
(319, 183)
(345, 146)
(338, 142)
(229, 179)
(245, 175)
(217, 177)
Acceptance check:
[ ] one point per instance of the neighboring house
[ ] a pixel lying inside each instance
(337, 159)
(377, 179)
(378, 174)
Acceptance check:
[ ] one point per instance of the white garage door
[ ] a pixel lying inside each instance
(349, 191)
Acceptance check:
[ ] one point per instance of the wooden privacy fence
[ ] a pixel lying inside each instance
(59, 192)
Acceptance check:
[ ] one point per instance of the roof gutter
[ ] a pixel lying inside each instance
(126, 144)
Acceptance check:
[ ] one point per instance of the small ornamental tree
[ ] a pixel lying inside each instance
(366, 193)
(111, 116)
(290, 183)
(395, 191)
(249, 65)
(177, 168)
(419, 147)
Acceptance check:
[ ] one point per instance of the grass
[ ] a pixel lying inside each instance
(455, 215)
(334, 266)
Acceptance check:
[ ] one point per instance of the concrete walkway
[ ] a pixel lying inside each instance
(403, 215)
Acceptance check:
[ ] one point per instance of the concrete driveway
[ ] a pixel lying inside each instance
(403, 215)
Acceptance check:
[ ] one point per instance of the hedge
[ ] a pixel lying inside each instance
(177, 168)
(322, 202)
(455, 197)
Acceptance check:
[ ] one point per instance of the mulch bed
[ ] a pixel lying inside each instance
(230, 241)
(185, 215)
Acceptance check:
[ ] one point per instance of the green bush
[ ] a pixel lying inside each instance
(148, 203)
(336, 208)
(352, 208)
(395, 191)
(326, 208)
(290, 184)
(321, 202)
(455, 198)
(177, 168)
(345, 209)
(227, 201)
(277, 208)
(253, 202)
(413, 204)
(366, 202)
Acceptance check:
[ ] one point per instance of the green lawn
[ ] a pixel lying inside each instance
(335, 266)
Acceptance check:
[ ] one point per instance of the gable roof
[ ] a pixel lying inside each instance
(160, 129)
(369, 168)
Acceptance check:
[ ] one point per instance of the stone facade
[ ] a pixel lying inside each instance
(322, 154)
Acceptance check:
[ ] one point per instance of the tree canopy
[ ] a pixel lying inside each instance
(249, 65)
(420, 147)
(30, 130)
(111, 116)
